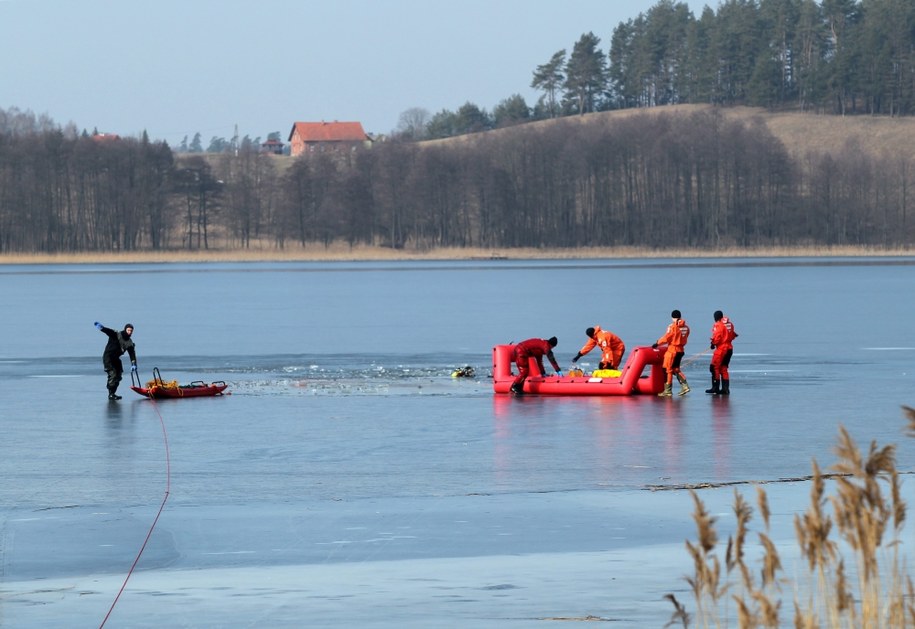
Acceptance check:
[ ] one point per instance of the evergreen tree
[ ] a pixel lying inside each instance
(702, 65)
(740, 40)
(511, 111)
(219, 145)
(586, 74)
(471, 119)
(196, 144)
(781, 19)
(811, 50)
(666, 35)
(887, 42)
(442, 125)
(549, 78)
(624, 86)
(840, 17)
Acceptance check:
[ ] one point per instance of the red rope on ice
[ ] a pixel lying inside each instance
(695, 357)
(168, 485)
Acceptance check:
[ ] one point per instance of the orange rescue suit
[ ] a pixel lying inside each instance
(675, 337)
(723, 334)
(610, 344)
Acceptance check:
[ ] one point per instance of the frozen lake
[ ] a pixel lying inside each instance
(348, 480)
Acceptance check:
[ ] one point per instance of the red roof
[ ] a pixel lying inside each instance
(105, 137)
(328, 131)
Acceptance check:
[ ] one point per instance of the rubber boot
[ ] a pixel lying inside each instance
(666, 392)
(517, 389)
(725, 386)
(715, 387)
(684, 385)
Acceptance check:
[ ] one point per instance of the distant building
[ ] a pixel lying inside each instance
(105, 137)
(273, 145)
(313, 137)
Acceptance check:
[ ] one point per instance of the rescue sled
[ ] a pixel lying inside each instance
(160, 389)
(629, 380)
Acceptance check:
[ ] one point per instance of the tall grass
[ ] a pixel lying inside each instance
(342, 252)
(853, 575)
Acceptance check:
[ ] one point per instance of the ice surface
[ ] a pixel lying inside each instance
(348, 480)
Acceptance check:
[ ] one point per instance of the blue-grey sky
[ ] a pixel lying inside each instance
(177, 67)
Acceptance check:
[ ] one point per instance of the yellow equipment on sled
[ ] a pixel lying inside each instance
(159, 388)
(606, 373)
(171, 384)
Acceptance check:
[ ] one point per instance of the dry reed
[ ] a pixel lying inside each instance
(342, 252)
(863, 518)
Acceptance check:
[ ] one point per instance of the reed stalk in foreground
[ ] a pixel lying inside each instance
(864, 517)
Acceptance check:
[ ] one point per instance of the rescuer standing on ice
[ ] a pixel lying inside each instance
(675, 338)
(118, 343)
(722, 336)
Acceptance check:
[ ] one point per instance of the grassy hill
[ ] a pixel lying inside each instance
(800, 132)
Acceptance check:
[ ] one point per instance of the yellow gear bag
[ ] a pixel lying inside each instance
(606, 373)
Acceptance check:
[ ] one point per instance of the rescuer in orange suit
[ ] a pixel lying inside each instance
(610, 344)
(536, 348)
(675, 337)
(722, 335)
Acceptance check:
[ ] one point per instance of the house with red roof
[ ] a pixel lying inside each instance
(272, 146)
(313, 137)
(105, 137)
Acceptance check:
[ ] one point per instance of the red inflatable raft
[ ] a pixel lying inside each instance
(631, 380)
(159, 389)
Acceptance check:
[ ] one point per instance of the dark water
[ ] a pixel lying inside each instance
(341, 389)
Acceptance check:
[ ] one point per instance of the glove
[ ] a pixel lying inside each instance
(654, 346)
(577, 356)
(97, 325)
(711, 346)
(133, 366)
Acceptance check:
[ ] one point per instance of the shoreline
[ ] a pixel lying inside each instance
(344, 253)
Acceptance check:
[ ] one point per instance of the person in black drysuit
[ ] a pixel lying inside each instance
(118, 343)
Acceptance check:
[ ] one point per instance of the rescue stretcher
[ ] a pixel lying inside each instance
(161, 389)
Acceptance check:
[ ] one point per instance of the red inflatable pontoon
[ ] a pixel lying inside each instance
(630, 382)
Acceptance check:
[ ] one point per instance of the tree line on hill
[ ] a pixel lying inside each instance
(652, 180)
(835, 56)
(219, 144)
